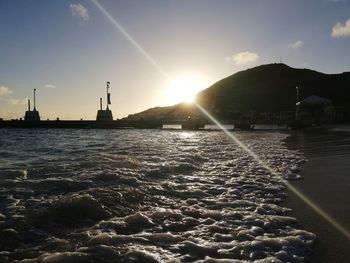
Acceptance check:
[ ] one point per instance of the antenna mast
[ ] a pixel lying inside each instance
(107, 94)
(34, 100)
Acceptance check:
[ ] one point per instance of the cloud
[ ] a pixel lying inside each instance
(297, 44)
(13, 101)
(49, 86)
(341, 30)
(80, 11)
(337, 1)
(17, 101)
(243, 58)
(5, 91)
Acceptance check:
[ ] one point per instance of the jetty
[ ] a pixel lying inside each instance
(309, 112)
(104, 119)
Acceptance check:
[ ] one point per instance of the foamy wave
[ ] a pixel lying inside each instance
(175, 197)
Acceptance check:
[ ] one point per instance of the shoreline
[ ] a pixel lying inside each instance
(326, 182)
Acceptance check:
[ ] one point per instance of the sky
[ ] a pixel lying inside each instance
(155, 51)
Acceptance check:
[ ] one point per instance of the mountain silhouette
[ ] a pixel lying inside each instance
(266, 88)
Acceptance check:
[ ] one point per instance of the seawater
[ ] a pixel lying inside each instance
(146, 196)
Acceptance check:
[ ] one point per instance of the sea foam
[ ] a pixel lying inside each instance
(150, 196)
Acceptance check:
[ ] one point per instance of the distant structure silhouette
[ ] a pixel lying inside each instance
(105, 115)
(32, 115)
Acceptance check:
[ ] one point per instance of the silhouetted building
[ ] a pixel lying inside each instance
(105, 115)
(313, 108)
(32, 115)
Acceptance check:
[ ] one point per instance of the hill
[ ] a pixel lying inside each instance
(266, 88)
(166, 114)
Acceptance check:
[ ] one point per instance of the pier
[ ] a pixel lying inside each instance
(104, 120)
(125, 124)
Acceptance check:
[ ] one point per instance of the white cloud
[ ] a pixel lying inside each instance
(297, 44)
(80, 11)
(341, 30)
(49, 86)
(243, 58)
(5, 91)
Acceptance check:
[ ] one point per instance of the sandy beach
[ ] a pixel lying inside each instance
(326, 182)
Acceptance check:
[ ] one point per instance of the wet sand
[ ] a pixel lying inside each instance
(326, 181)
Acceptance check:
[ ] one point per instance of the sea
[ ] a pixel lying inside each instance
(151, 196)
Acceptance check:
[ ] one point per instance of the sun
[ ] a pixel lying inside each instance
(183, 89)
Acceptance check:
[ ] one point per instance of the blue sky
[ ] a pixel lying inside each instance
(69, 49)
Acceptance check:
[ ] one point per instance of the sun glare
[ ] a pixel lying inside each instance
(183, 89)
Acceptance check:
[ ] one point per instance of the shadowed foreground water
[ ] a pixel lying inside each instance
(326, 181)
(146, 196)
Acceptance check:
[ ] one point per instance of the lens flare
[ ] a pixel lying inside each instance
(315, 207)
(131, 39)
(311, 204)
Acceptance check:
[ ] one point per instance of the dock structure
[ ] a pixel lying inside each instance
(104, 120)
(191, 124)
(32, 115)
(105, 115)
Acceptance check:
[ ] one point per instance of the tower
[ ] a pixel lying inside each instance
(105, 115)
(32, 115)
